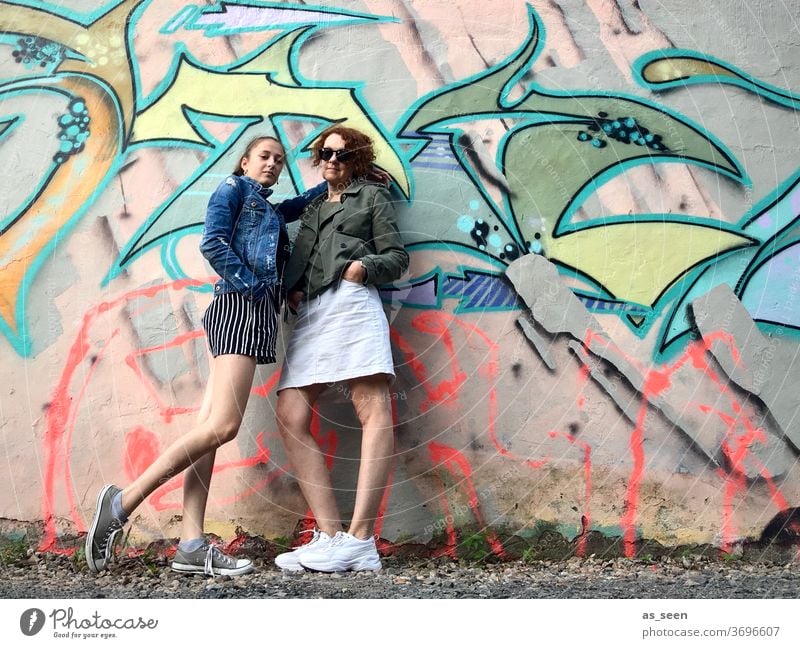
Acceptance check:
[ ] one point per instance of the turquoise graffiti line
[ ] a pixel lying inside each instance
(733, 76)
(47, 74)
(20, 339)
(161, 224)
(156, 229)
(475, 289)
(196, 18)
(635, 130)
(229, 19)
(772, 222)
(79, 16)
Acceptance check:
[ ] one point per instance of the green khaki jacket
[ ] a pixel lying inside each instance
(363, 229)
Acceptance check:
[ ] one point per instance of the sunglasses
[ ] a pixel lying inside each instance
(342, 155)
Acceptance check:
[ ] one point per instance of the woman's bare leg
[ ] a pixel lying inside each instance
(197, 477)
(294, 411)
(372, 401)
(232, 379)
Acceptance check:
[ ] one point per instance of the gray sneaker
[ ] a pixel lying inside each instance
(289, 561)
(209, 560)
(104, 531)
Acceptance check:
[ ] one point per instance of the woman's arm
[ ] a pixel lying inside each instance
(390, 260)
(224, 208)
(292, 208)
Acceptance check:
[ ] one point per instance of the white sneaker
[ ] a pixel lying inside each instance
(288, 560)
(343, 553)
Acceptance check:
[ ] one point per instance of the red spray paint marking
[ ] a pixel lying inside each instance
(586, 518)
(449, 549)
(775, 494)
(57, 417)
(445, 392)
(582, 382)
(60, 410)
(455, 462)
(141, 449)
(234, 544)
(268, 385)
(634, 482)
(736, 448)
(734, 482)
(490, 370)
(437, 323)
(166, 411)
(261, 456)
(73, 509)
(655, 382)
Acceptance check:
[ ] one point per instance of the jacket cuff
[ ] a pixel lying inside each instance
(369, 267)
(258, 291)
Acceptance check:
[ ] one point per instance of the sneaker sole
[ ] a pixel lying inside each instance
(194, 569)
(331, 568)
(292, 568)
(93, 529)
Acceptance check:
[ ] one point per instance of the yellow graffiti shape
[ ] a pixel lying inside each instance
(102, 45)
(253, 91)
(675, 68)
(98, 74)
(638, 261)
(70, 187)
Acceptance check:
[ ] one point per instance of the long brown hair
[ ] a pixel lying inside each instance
(239, 170)
(355, 141)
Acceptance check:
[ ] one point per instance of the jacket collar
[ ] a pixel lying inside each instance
(264, 192)
(357, 185)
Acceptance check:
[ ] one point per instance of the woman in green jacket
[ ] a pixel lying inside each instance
(347, 244)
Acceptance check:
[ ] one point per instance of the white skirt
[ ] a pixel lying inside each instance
(339, 335)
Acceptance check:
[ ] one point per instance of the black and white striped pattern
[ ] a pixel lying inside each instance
(236, 325)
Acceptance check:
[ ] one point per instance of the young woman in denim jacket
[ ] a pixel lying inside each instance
(246, 243)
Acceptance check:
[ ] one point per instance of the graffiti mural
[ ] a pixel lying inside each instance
(597, 334)
(108, 117)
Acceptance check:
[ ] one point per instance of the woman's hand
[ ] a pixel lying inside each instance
(378, 175)
(293, 299)
(355, 272)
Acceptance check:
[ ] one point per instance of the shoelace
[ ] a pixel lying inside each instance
(208, 567)
(337, 539)
(314, 538)
(340, 538)
(114, 527)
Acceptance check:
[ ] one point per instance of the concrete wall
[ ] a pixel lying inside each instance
(599, 327)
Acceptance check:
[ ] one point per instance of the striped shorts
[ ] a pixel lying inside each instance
(236, 325)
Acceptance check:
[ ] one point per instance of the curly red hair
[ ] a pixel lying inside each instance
(355, 141)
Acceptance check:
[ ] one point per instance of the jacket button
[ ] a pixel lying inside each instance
(339, 228)
(343, 245)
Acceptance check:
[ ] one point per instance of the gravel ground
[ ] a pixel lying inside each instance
(43, 576)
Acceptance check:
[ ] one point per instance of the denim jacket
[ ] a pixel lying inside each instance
(243, 231)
